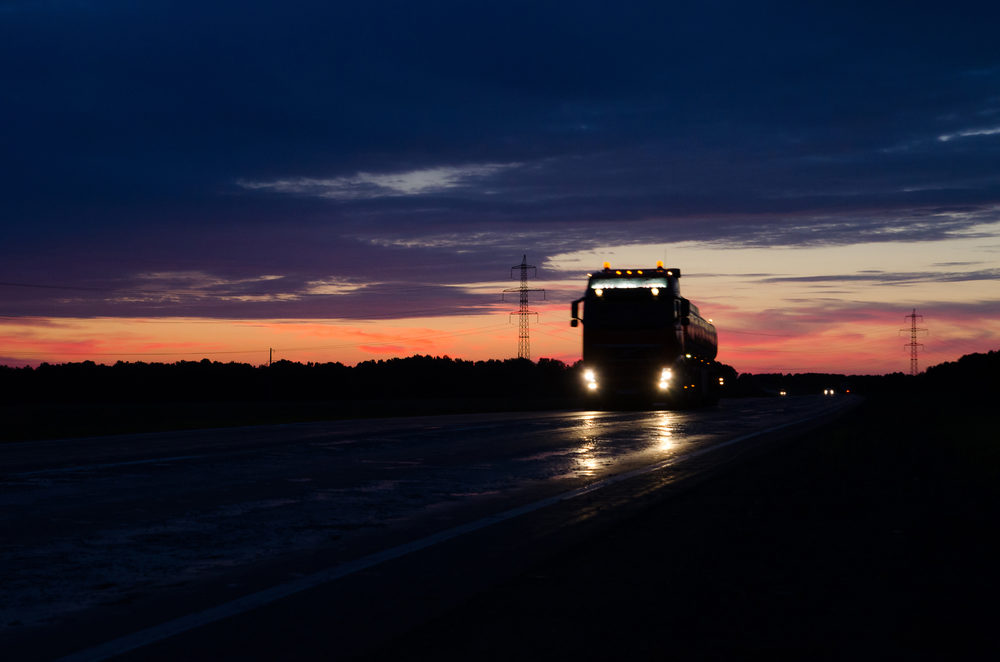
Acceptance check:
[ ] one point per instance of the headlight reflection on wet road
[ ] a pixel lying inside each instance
(664, 425)
(601, 441)
(586, 454)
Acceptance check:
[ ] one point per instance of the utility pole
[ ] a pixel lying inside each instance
(523, 343)
(913, 344)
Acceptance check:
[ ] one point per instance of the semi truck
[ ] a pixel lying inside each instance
(643, 343)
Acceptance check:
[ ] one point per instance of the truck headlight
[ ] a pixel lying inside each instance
(591, 378)
(665, 375)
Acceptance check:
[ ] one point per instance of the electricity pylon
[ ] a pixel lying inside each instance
(913, 344)
(523, 343)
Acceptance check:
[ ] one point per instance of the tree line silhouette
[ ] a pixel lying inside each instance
(971, 376)
(74, 399)
(420, 377)
(211, 381)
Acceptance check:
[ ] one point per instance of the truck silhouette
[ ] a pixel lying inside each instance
(645, 345)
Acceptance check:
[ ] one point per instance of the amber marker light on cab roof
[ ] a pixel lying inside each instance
(659, 264)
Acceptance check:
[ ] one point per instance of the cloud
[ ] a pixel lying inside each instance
(198, 280)
(178, 286)
(961, 263)
(892, 278)
(365, 185)
(969, 133)
(335, 286)
(467, 241)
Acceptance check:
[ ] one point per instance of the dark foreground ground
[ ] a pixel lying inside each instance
(874, 539)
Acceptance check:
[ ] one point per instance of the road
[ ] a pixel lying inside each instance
(115, 543)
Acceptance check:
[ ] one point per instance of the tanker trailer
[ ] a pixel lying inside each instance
(643, 343)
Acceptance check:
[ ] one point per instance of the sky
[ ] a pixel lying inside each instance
(344, 181)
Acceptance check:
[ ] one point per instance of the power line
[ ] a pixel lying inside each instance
(204, 294)
(57, 287)
(464, 332)
(17, 354)
(449, 311)
(755, 333)
(389, 288)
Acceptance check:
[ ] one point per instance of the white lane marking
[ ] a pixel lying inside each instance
(265, 597)
(109, 465)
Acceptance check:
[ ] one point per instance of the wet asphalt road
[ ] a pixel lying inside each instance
(107, 536)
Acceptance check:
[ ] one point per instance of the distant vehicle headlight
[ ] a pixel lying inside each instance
(589, 375)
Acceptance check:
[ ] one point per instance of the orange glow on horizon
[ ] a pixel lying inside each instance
(108, 340)
(872, 347)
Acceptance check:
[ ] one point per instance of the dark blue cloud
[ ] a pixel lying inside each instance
(154, 136)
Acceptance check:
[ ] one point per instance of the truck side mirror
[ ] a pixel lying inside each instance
(575, 312)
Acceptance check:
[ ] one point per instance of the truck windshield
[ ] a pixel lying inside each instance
(627, 314)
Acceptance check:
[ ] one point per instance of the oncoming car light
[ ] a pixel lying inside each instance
(591, 379)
